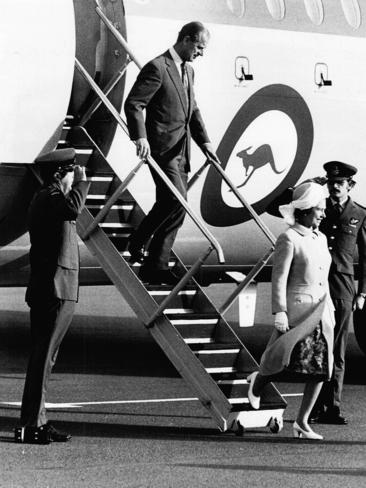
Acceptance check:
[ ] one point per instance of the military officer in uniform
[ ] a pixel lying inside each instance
(53, 286)
(345, 228)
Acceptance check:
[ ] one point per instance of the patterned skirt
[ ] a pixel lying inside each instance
(310, 356)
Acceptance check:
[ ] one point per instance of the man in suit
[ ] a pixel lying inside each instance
(345, 228)
(164, 91)
(53, 286)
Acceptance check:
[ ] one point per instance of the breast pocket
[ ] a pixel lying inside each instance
(347, 238)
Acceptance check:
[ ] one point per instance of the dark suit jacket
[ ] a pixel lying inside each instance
(170, 120)
(54, 253)
(345, 233)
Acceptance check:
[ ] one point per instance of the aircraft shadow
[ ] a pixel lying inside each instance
(120, 431)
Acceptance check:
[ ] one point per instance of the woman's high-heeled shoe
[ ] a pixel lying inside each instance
(253, 400)
(307, 434)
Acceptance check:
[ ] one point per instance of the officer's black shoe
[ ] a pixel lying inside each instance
(331, 416)
(30, 434)
(56, 435)
(315, 414)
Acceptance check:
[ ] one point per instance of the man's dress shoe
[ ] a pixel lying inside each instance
(159, 277)
(136, 253)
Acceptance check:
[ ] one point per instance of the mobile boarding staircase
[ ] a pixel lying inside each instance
(192, 332)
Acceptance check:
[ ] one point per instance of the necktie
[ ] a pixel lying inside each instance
(185, 78)
(338, 208)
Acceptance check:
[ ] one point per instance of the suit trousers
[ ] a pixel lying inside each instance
(49, 324)
(165, 217)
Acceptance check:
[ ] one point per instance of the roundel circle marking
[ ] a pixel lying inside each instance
(272, 97)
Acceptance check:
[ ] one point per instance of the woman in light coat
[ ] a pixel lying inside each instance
(302, 341)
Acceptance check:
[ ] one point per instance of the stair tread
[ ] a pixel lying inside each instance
(215, 346)
(193, 316)
(237, 407)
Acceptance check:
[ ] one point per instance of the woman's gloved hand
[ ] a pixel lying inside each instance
(281, 322)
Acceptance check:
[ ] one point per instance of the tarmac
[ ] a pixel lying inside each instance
(135, 423)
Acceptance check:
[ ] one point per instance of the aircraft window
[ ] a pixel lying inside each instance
(352, 12)
(315, 11)
(237, 7)
(276, 8)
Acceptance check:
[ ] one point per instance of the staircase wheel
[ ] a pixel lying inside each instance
(239, 429)
(275, 425)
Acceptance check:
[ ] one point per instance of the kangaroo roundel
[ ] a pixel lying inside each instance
(264, 151)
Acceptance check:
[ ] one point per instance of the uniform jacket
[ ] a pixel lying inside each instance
(345, 233)
(299, 287)
(170, 119)
(54, 253)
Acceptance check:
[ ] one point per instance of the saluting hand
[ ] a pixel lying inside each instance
(281, 322)
(79, 173)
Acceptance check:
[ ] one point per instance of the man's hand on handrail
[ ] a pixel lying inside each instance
(208, 151)
(142, 148)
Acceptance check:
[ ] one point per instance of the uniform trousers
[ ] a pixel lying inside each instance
(165, 217)
(340, 285)
(332, 391)
(49, 324)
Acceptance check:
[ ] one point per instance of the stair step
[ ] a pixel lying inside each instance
(117, 213)
(120, 231)
(95, 200)
(220, 369)
(195, 328)
(181, 311)
(245, 405)
(217, 358)
(164, 293)
(235, 388)
(64, 133)
(102, 185)
(199, 318)
(185, 298)
(239, 401)
(115, 225)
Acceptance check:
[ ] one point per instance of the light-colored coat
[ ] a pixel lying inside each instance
(299, 287)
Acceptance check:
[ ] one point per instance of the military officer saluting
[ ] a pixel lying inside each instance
(345, 228)
(53, 285)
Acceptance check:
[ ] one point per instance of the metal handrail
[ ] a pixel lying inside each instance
(239, 196)
(190, 274)
(217, 166)
(250, 277)
(154, 165)
(191, 182)
(111, 201)
(117, 35)
(107, 90)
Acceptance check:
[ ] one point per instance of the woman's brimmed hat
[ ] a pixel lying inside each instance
(305, 196)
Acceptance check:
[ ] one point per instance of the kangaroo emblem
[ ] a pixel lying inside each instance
(260, 157)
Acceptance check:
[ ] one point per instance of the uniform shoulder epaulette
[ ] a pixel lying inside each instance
(359, 205)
